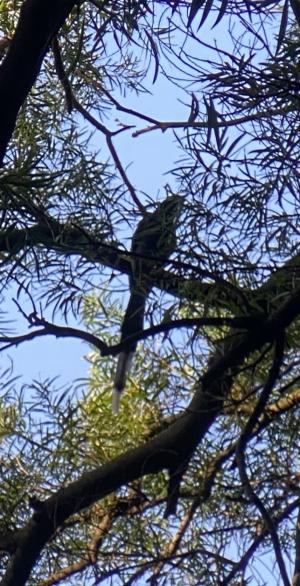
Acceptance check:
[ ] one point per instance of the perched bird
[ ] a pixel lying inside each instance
(153, 242)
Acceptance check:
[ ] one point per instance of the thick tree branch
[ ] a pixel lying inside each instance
(128, 505)
(170, 449)
(38, 22)
(73, 240)
(296, 576)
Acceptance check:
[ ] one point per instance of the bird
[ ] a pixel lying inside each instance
(153, 242)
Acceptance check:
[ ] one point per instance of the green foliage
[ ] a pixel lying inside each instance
(227, 372)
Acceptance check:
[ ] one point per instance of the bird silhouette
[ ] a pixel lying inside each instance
(153, 242)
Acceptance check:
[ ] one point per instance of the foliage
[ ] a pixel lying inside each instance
(196, 481)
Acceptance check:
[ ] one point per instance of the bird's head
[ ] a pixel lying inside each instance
(171, 208)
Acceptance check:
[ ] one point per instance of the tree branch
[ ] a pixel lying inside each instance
(128, 505)
(243, 562)
(240, 453)
(72, 240)
(296, 575)
(171, 448)
(54, 330)
(39, 21)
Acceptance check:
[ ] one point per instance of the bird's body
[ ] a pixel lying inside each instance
(153, 242)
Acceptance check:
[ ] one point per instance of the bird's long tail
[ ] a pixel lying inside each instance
(132, 324)
(122, 370)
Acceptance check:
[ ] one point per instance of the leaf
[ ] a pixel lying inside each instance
(194, 109)
(222, 11)
(206, 11)
(212, 120)
(233, 145)
(283, 25)
(155, 55)
(195, 7)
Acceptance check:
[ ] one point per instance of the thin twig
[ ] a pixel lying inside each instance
(240, 454)
(72, 102)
